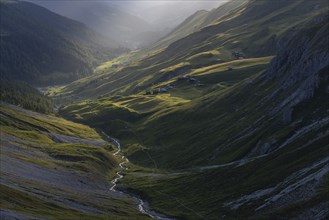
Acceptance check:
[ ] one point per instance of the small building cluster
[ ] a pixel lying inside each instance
(160, 90)
(187, 78)
(239, 55)
(191, 80)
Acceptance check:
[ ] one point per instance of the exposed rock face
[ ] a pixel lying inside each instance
(300, 76)
(298, 65)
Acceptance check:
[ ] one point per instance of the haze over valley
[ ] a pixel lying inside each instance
(132, 24)
(164, 109)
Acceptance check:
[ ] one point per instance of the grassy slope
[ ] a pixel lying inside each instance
(192, 24)
(210, 121)
(90, 160)
(244, 29)
(206, 191)
(227, 120)
(109, 77)
(141, 108)
(155, 129)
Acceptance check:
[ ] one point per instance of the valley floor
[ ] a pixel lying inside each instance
(53, 168)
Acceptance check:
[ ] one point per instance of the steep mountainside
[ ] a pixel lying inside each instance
(268, 131)
(263, 145)
(41, 47)
(238, 139)
(52, 168)
(112, 22)
(24, 95)
(295, 78)
(252, 29)
(194, 23)
(274, 97)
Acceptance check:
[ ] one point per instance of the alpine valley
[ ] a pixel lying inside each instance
(224, 117)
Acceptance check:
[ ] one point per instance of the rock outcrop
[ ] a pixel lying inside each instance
(298, 65)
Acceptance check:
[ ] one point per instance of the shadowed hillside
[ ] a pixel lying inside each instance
(22, 94)
(41, 47)
(54, 168)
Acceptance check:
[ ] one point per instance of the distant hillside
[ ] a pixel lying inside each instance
(252, 28)
(195, 22)
(41, 47)
(108, 19)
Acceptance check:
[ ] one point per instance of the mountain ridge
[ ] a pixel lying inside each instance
(58, 48)
(110, 20)
(230, 34)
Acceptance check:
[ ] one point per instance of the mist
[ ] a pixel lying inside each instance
(160, 12)
(131, 24)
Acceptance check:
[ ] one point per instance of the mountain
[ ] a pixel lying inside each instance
(42, 48)
(109, 19)
(130, 31)
(256, 24)
(132, 24)
(172, 13)
(251, 28)
(228, 122)
(194, 23)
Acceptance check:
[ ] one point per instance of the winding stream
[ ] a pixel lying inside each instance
(142, 205)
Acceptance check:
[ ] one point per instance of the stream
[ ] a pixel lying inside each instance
(143, 207)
